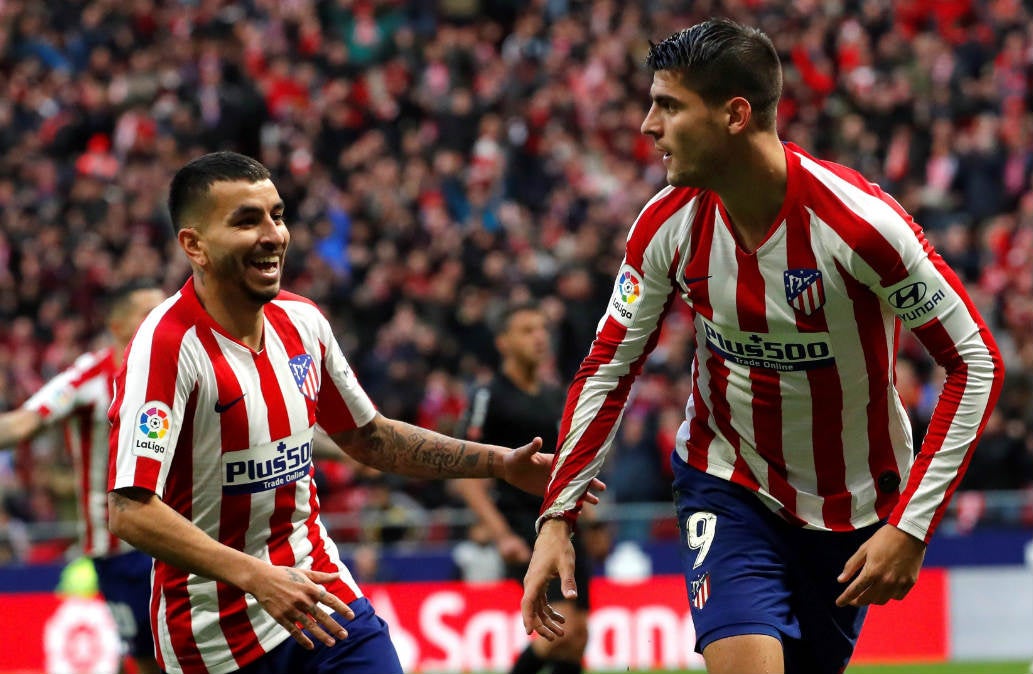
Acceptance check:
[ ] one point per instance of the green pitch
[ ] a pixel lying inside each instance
(946, 668)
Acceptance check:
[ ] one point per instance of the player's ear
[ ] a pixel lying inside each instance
(191, 243)
(739, 113)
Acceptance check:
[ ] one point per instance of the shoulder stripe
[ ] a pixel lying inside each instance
(871, 224)
(652, 218)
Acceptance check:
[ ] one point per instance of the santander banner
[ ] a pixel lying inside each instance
(644, 625)
(462, 627)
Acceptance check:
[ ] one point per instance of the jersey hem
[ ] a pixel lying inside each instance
(232, 665)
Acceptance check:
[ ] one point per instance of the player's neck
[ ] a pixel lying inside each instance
(755, 197)
(241, 319)
(118, 349)
(524, 376)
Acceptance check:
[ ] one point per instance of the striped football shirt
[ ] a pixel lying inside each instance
(79, 397)
(223, 434)
(795, 345)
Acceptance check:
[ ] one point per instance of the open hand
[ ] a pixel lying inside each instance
(527, 468)
(553, 556)
(293, 597)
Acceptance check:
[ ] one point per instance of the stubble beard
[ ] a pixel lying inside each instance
(227, 269)
(262, 297)
(683, 179)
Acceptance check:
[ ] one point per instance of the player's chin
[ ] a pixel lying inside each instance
(264, 294)
(681, 179)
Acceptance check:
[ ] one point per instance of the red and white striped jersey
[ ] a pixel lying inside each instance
(793, 388)
(80, 397)
(223, 434)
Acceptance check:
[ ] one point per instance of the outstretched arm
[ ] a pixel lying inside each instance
(18, 425)
(397, 447)
(291, 596)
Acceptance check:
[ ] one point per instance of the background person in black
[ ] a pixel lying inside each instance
(518, 402)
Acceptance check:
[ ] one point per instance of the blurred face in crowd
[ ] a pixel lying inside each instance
(127, 316)
(691, 134)
(525, 339)
(239, 240)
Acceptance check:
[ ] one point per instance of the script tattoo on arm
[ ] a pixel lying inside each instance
(417, 452)
(445, 456)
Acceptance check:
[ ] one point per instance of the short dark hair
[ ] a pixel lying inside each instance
(720, 59)
(506, 315)
(192, 182)
(118, 298)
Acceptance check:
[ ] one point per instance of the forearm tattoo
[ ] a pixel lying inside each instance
(421, 453)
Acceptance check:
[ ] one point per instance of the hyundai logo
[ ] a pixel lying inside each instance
(908, 296)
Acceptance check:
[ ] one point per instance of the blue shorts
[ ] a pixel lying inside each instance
(748, 571)
(367, 650)
(125, 583)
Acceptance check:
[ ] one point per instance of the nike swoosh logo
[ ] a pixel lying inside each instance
(220, 408)
(697, 279)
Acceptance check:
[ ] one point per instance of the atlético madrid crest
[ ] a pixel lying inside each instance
(804, 290)
(699, 591)
(305, 375)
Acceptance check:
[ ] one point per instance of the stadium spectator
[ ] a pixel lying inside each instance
(556, 111)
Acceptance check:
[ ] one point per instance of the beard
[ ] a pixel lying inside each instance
(261, 295)
(228, 271)
(685, 178)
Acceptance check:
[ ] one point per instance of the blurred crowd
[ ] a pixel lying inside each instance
(440, 158)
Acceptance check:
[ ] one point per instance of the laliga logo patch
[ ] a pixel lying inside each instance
(155, 422)
(65, 399)
(626, 293)
(628, 287)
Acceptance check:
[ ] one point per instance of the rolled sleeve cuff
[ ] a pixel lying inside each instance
(568, 516)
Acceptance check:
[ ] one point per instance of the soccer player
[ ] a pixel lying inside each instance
(799, 497)
(211, 444)
(516, 402)
(79, 398)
